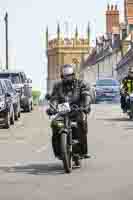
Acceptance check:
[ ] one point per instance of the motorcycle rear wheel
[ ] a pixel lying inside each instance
(66, 154)
(77, 161)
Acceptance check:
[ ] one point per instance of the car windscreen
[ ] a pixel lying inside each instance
(12, 76)
(107, 82)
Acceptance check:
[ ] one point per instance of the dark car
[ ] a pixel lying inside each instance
(15, 98)
(6, 107)
(107, 89)
(22, 85)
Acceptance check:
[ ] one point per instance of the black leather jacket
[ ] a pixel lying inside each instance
(76, 93)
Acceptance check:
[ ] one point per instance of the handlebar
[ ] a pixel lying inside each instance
(74, 108)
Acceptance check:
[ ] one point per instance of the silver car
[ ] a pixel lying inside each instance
(22, 85)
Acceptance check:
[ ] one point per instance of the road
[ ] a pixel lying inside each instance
(29, 171)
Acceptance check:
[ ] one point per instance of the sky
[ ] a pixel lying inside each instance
(27, 23)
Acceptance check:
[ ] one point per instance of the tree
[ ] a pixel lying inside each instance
(36, 95)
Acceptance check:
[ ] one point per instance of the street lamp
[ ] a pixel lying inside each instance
(6, 36)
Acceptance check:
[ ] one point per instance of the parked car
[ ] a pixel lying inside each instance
(6, 107)
(107, 89)
(22, 85)
(15, 98)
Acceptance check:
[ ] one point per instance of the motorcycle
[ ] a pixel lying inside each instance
(129, 100)
(65, 142)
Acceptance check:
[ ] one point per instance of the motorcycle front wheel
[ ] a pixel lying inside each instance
(66, 153)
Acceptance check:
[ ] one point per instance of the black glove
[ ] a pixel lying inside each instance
(87, 109)
(49, 112)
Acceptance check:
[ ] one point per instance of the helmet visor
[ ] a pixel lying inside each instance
(68, 71)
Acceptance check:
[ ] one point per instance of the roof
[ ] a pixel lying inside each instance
(126, 59)
(10, 71)
(107, 50)
(96, 57)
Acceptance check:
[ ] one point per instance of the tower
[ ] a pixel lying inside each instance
(128, 9)
(62, 50)
(112, 19)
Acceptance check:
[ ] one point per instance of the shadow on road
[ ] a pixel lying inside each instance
(35, 169)
(128, 128)
(124, 119)
(125, 126)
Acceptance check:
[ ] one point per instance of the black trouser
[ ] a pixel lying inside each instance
(124, 103)
(82, 132)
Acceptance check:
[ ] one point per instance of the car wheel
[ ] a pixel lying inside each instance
(7, 121)
(12, 118)
(17, 111)
(16, 116)
(29, 108)
(19, 114)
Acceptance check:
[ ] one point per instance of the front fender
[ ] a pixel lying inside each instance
(62, 130)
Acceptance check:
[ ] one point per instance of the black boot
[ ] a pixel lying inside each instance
(84, 148)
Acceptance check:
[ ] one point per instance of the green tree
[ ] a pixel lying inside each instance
(36, 95)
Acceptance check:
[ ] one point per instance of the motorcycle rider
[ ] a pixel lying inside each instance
(126, 89)
(77, 92)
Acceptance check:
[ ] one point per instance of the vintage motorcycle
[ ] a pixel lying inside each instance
(65, 140)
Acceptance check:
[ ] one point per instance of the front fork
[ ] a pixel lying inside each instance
(70, 141)
(69, 136)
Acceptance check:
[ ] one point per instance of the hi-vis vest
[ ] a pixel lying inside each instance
(128, 85)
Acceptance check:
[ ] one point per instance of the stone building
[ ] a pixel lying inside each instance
(101, 65)
(128, 7)
(65, 51)
(127, 44)
(127, 60)
(107, 53)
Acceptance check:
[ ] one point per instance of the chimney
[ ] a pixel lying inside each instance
(112, 19)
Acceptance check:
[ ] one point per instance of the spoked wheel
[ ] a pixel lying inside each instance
(66, 154)
(131, 116)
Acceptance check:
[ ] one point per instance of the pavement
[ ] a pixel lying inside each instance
(29, 171)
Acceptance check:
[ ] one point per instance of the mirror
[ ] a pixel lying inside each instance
(47, 96)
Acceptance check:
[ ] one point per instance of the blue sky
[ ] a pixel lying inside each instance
(28, 20)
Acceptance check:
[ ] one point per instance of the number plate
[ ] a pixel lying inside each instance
(64, 107)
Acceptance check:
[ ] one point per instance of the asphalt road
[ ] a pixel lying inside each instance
(29, 171)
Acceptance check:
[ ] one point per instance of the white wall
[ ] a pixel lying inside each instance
(106, 65)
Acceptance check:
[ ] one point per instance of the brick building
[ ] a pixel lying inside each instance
(112, 19)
